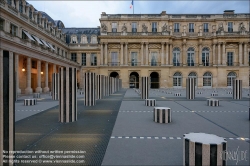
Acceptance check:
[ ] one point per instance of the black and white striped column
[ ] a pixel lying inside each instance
(107, 85)
(67, 95)
(237, 89)
(100, 82)
(89, 89)
(204, 149)
(213, 102)
(144, 87)
(7, 106)
(28, 102)
(162, 114)
(150, 102)
(55, 86)
(190, 88)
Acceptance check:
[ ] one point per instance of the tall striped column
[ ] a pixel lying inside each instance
(7, 106)
(204, 149)
(55, 86)
(100, 82)
(110, 85)
(105, 86)
(144, 86)
(89, 89)
(237, 89)
(67, 94)
(190, 88)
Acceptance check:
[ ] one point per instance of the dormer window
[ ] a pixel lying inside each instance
(114, 27)
(30, 14)
(74, 39)
(45, 24)
(38, 19)
(93, 39)
(20, 6)
(84, 39)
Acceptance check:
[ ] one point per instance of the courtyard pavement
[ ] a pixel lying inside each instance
(120, 129)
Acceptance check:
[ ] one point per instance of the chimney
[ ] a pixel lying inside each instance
(104, 13)
(163, 13)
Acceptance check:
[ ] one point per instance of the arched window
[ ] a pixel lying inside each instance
(74, 39)
(177, 80)
(193, 75)
(84, 39)
(93, 39)
(207, 79)
(230, 77)
(190, 56)
(176, 57)
(205, 56)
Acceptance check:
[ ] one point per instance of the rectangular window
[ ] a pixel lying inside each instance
(205, 27)
(83, 59)
(154, 59)
(154, 26)
(230, 27)
(230, 58)
(205, 59)
(114, 27)
(13, 30)
(176, 27)
(9, 2)
(114, 59)
(93, 59)
(62, 53)
(1, 24)
(24, 36)
(134, 27)
(58, 51)
(20, 6)
(33, 64)
(73, 57)
(191, 27)
(134, 59)
(45, 25)
(30, 14)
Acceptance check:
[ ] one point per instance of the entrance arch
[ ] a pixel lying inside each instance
(154, 80)
(134, 80)
(114, 74)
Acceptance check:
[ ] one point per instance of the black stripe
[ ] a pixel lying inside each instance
(64, 94)
(70, 94)
(198, 153)
(169, 116)
(213, 154)
(60, 97)
(224, 148)
(186, 152)
(163, 116)
(75, 99)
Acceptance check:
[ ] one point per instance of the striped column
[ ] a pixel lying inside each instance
(150, 102)
(204, 149)
(110, 85)
(107, 86)
(162, 114)
(237, 89)
(67, 94)
(7, 105)
(213, 102)
(89, 89)
(55, 86)
(190, 88)
(100, 82)
(144, 86)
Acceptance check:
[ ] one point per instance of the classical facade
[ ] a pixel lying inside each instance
(168, 48)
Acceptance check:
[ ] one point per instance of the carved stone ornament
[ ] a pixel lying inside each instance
(124, 28)
(144, 28)
(165, 28)
(104, 28)
(242, 27)
(221, 28)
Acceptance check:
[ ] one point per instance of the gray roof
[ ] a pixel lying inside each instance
(79, 32)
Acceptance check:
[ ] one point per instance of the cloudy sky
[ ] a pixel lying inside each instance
(86, 13)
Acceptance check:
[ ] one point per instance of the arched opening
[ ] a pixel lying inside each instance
(230, 77)
(193, 75)
(207, 79)
(154, 80)
(177, 80)
(114, 74)
(134, 80)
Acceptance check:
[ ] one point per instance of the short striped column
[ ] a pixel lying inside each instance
(237, 89)
(162, 114)
(199, 93)
(55, 86)
(144, 87)
(177, 94)
(150, 102)
(28, 102)
(213, 102)
(36, 95)
(100, 81)
(204, 149)
(89, 89)
(190, 88)
(214, 94)
(67, 94)
(7, 105)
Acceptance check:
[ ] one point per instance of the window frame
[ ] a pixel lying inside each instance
(154, 26)
(114, 26)
(176, 55)
(191, 27)
(93, 59)
(205, 55)
(230, 58)
(13, 29)
(2, 25)
(190, 56)
(230, 26)
(84, 59)
(176, 25)
(73, 57)
(134, 56)
(134, 28)
(205, 27)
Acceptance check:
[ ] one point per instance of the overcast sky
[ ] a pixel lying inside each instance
(84, 13)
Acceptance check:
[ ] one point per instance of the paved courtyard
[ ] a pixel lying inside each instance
(120, 129)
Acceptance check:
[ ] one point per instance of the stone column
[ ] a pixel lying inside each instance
(17, 5)
(171, 54)
(126, 54)
(55, 86)
(67, 95)
(183, 59)
(121, 61)
(245, 54)
(200, 54)
(214, 62)
(142, 53)
(18, 90)
(99, 86)
(7, 106)
(28, 89)
(162, 54)
(146, 63)
(101, 63)
(79, 58)
(54, 68)
(81, 79)
(38, 89)
(219, 54)
(224, 54)
(240, 53)
(167, 62)
(106, 54)
(46, 88)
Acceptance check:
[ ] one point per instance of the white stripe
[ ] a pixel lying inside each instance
(126, 137)
(112, 137)
(171, 138)
(134, 137)
(148, 137)
(141, 137)
(119, 137)
(178, 137)
(163, 137)
(156, 137)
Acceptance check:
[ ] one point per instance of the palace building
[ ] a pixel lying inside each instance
(168, 48)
